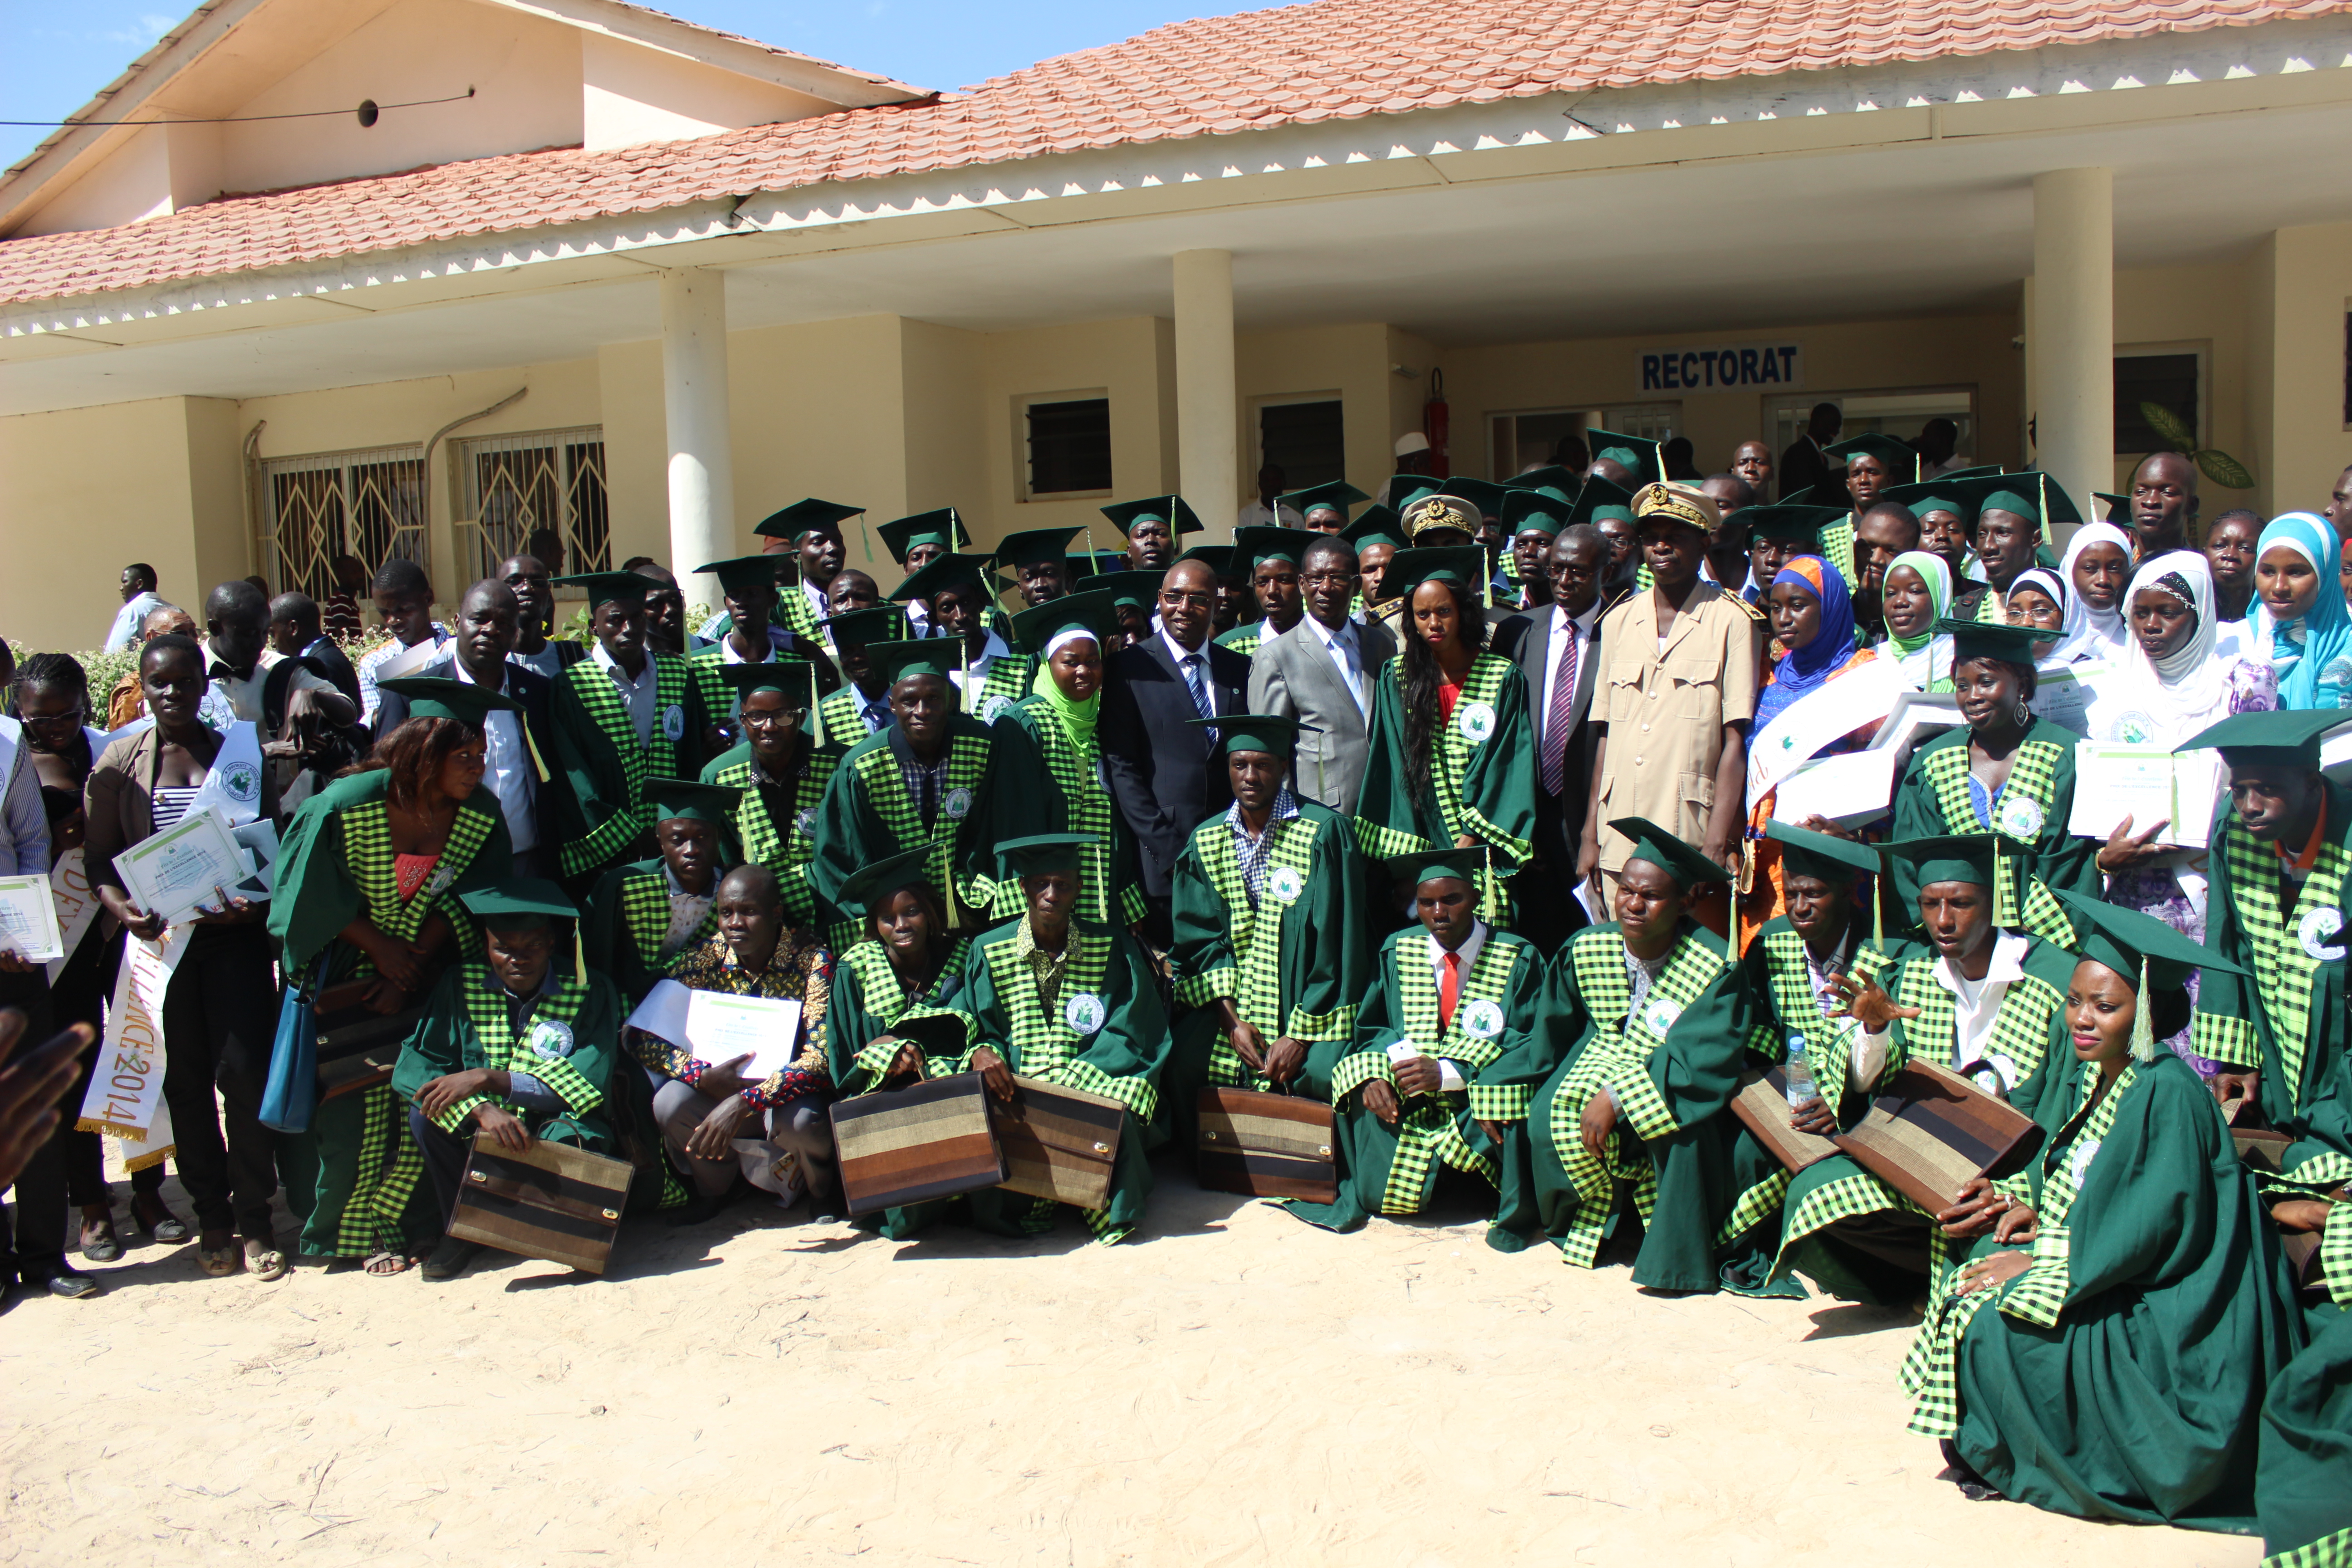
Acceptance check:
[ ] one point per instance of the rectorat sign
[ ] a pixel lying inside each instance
(1724, 367)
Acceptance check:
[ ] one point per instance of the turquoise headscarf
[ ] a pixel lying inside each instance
(2312, 656)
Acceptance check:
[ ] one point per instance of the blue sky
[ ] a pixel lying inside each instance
(57, 55)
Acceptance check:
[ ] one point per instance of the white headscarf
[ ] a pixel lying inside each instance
(2104, 633)
(2162, 703)
(2069, 608)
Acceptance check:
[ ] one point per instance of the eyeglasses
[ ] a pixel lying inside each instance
(1197, 601)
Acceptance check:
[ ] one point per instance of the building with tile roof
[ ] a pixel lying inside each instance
(270, 300)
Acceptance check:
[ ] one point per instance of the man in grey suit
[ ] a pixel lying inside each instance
(1320, 672)
(1556, 647)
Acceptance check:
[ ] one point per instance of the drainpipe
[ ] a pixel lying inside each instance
(434, 440)
(257, 548)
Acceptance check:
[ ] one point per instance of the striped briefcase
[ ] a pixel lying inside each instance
(1931, 1131)
(1058, 1142)
(911, 1145)
(1267, 1145)
(1761, 1104)
(2258, 1145)
(549, 1201)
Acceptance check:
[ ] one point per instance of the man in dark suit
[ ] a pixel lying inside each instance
(488, 620)
(1158, 760)
(1804, 464)
(294, 633)
(1557, 647)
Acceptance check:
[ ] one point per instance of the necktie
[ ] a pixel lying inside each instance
(1449, 991)
(1559, 712)
(1351, 668)
(1197, 682)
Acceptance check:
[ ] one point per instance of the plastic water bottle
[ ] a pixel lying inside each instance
(1799, 1072)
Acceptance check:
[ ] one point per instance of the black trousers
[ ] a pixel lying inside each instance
(445, 1158)
(220, 1021)
(33, 1241)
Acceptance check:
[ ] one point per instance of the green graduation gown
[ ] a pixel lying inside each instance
(1006, 682)
(775, 821)
(2031, 813)
(1482, 782)
(1052, 782)
(2301, 1496)
(2120, 1375)
(571, 1046)
(1105, 1034)
(1293, 964)
(603, 817)
(355, 1178)
(1494, 1039)
(628, 917)
(869, 814)
(1674, 1063)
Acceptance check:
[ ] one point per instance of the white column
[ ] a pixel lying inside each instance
(2072, 331)
(694, 400)
(1206, 422)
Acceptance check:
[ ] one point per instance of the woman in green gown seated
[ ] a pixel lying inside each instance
(2140, 1304)
(906, 960)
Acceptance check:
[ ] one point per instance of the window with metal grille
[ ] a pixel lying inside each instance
(369, 505)
(538, 494)
(1070, 446)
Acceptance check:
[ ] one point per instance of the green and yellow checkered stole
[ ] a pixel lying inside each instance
(841, 716)
(866, 963)
(1089, 809)
(784, 847)
(2283, 972)
(645, 914)
(1044, 1044)
(885, 789)
(2333, 1550)
(559, 1001)
(657, 758)
(1828, 1045)
(1837, 549)
(1006, 682)
(1484, 683)
(2036, 1297)
(2020, 901)
(368, 856)
(1245, 640)
(1256, 934)
(1991, 607)
(1618, 1055)
(794, 613)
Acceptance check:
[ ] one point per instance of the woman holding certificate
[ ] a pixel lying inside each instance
(219, 1002)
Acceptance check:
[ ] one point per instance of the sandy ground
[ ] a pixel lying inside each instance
(1235, 1387)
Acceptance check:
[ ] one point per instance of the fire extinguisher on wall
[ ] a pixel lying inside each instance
(1437, 423)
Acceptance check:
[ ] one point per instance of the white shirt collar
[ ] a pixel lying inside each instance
(1180, 653)
(1583, 623)
(2007, 965)
(1345, 631)
(1467, 952)
(596, 651)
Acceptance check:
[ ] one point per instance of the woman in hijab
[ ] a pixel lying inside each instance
(2299, 625)
(1813, 617)
(2040, 599)
(2097, 563)
(2169, 686)
(1918, 593)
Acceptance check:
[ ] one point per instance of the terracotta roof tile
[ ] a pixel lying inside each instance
(1332, 60)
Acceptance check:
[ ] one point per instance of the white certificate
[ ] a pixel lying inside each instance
(1853, 791)
(2063, 696)
(185, 865)
(28, 919)
(718, 1027)
(2111, 781)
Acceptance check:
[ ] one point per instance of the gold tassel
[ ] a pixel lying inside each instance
(537, 761)
(579, 956)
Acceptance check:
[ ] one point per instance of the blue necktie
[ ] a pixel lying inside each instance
(1197, 682)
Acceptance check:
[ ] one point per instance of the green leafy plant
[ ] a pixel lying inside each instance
(2217, 465)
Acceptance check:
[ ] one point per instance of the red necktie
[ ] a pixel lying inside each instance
(1449, 991)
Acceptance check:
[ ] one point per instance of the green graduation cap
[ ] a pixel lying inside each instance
(1095, 563)
(1140, 589)
(1253, 545)
(1534, 511)
(744, 572)
(1337, 496)
(1795, 524)
(1824, 856)
(432, 696)
(1660, 848)
(2289, 738)
(1942, 494)
(1094, 612)
(1273, 733)
(1899, 458)
(1560, 484)
(793, 678)
(2116, 506)
(1036, 546)
(1464, 565)
(898, 661)
(1379, 525)
(1971, 858)
(878, 880)
(2032, 495)
(1638, 454)
(1979, 471)
(1435, 865)
(1404, 489)
(795, 521)
(941, 528)
(1486, 496)
(687, 799)
(1040, 853)
(1989, 639)
(883, 623)
(949, 570)
(1218, 558)
(519, 903)
(604, 587)
(1171, 509)
(2126, 941)
(1601, 498)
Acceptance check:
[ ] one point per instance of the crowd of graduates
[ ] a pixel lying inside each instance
(1443, 817)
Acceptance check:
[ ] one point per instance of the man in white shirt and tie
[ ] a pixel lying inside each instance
(1320, 672)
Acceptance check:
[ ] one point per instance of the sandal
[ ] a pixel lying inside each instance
(386, 1264)
(219, 1262)
(264, 1261)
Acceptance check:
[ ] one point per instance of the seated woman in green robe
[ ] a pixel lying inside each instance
(1270, 953)
(781, 770)
(1070, 1003)
(906, 960)
(512, 1047)
(1447, 1050)
(645, 915)
(1450, 757)
(370, 874)
(2005, 772)
(1651, 1020)
(2140, 1303)
(1049, 766)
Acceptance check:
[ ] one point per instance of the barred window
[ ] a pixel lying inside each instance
(543, 492)
(369, 505)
